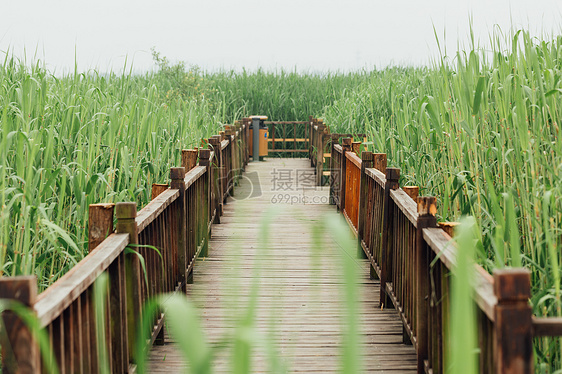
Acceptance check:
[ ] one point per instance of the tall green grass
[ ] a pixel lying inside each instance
(480, 131)
(69, 142)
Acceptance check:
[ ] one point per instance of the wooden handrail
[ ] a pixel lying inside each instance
(547, 326)
(351, 156)
(406, 205)
(445, 248)
(378, 176)
(412, 257)
(153, 209)
(177, 222)
(56, 298)
(285, 122)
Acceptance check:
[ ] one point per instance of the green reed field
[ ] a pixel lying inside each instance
(479, 129)
(67, 142)
(76, 140)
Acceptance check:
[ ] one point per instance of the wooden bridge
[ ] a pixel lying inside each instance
(201, 236)
(302, 300)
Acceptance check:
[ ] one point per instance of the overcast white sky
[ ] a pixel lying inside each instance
(306, 34)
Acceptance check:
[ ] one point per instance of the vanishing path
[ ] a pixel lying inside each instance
(300, 305)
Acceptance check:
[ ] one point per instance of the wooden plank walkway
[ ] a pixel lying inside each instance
(300, 294)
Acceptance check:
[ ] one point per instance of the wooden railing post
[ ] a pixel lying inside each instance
(100, 223)
(313, 156)
(188, 159)
(230, 179)
(320, 154)
(513, 321)
(334, 139)
(379, 162)
(185, 246)
(243, 146)
(126, 214)
(426, 218)
(234, 152)
(239, 143)
(204, 160)
(310, 139)
(216, 145)
(239, 165)
(356, 148)
(346, 147)
(392, 177)
(20, 353)
(366, 162)
(413, 192)
(157, 189)
(248, 121)
(449, 227)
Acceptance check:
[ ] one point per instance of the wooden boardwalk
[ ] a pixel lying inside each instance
(300, 305)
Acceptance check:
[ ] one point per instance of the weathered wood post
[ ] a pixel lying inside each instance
(513, 324)
(213, 187)
(445, 304)
(247, 138)
(448, 227)
(334, 138)
(320, 153)
(188, 159)
(20, 353)
(204, 160)
(215, 143)
(380, 162)
(356, 147)
(346, 147)
(392, 177)
(314, 141)
(235, 164)
(126, 214)
(100, 223)
(366, 162)
(177, 177)
(157, 189)
(239, 125)
(239, 146)
(310, 139)
(232, 175)
(426, 218)
(412, 191)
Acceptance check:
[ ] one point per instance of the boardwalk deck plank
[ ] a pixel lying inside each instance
(298, 295)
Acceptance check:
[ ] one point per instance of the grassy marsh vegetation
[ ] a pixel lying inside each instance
(67, 142)
(479, 130)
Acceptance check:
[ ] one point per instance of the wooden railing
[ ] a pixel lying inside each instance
(288, 138)
(320, 149)
(149, 252)
(413, 259)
